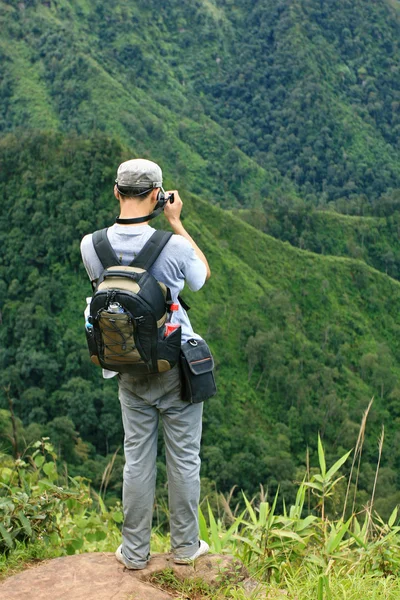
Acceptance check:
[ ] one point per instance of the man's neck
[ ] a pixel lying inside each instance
(131, 209)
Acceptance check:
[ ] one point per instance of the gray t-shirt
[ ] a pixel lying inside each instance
(177, 263)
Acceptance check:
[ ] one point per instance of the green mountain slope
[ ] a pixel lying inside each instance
(314, 87)
(271, 106)
(242, 100)
(302, 341)
(95, 66)
(374, 240)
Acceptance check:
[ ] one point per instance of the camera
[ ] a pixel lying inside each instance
(162, 199)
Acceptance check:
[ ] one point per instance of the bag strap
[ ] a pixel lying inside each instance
(151, 250)
(104, 250)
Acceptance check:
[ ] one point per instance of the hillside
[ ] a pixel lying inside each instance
(374, 240)
(240, 101)
(86, 66)
(313, 87)
(302, 341)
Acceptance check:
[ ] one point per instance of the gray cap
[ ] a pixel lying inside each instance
(139, 173)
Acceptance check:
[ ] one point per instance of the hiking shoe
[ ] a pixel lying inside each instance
(186, 560)
(120, 558)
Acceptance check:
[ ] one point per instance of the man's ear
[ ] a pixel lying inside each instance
(154, 195)
(116, 192)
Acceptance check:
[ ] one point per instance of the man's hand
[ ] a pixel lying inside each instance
(173, 211)
(173, 214)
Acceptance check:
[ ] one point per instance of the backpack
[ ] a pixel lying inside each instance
(129, 308)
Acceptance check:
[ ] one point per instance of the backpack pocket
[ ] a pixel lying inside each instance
(117, 331)
(169, 349)
(197, 366)
(91, 342)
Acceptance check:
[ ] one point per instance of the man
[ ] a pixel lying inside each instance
(144, 399)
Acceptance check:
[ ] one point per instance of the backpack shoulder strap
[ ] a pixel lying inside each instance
(151, 250)
(103, 249)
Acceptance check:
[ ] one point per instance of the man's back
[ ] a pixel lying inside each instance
(177, 264)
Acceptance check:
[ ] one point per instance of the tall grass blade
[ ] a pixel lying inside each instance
(272, 511)
(357, 453)
(393, 518)
(320, 592)
(215, 539)
(380, 447)
(264, 509)
(99, 499)
(228, 535)
(203, 530)
(321, 457)
(250, 510)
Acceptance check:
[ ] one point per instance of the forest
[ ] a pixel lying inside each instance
(302, 340)
(279, 123)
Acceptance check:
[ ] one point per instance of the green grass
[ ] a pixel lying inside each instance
(302, 586)
(25, 556)
(302, 552)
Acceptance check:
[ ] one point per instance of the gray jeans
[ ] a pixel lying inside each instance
(143, 399)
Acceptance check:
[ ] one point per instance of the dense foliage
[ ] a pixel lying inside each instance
(269, 108)
(302, 341)
(299, 552)
(243, 99)
(375, 240)
(311, 88)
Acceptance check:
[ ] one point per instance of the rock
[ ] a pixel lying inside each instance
(98, 576)
(94, 576)
(213, 569)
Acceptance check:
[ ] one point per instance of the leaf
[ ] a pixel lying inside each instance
(321, 457)
(316, 560)
(229, 534)
(300, 498)
(70, 549)
(5, 474)
(93, 536)
(359, 541)
(288, 534)
(6, 537)
(272, 511)
(249, 543)
(337, 465)
(392, 517)
(320, 588)
(314, 486)
(334, 541)
(302, 524)
(101, 535)
(203, 527)
(264, 506)
(250, 510)
(103, 508)
(215, 540)
(319, 478)
(118, 516)
(357, 528)
(39, 460)
(323, 584)
(81, 522)
(50, 469)
(54, 538)
(77, 543)
(25, 523)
